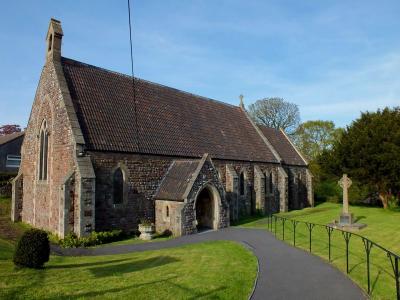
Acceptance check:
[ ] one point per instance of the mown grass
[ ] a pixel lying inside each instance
(8, 230)
(212, 270)
(383, 228)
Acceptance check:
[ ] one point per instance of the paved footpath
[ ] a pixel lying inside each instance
(285, 272)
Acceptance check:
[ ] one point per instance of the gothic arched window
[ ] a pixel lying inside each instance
(241, 184)
(266, 184)
(118, 186)
(271, 183)
(43, 152)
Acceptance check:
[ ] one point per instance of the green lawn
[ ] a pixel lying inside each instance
(383, 228)
(213, 270)
(217, 270)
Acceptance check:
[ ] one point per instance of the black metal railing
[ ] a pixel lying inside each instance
(273, 222)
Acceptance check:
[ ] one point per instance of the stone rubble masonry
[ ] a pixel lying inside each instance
(142, 176)
(283, 189)
(42, 198)
(17, 192)
(259, 187)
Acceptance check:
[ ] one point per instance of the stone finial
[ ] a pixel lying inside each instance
(53, 40)
(241, 105)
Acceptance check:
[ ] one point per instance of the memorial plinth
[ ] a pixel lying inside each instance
(346, 219)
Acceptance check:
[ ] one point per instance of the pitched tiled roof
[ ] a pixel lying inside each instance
(9, 137)
(283, 146)
(170, 122)
(177, 180)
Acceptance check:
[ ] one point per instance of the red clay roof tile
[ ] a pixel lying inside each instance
(170, 121)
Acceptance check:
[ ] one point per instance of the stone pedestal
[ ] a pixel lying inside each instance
(146, 232)
(346, 218)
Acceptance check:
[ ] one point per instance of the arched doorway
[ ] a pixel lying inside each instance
(206, 209)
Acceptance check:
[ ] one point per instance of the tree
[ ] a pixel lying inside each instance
(369, 151)
(275, 113)
(8, 129)
(314, 137)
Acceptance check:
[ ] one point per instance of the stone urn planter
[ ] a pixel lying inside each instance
(146, 231)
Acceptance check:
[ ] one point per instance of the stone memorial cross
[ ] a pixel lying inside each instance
(345, 183)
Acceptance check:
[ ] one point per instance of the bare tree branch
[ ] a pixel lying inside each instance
(276, 113)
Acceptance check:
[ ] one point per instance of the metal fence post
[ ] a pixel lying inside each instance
(294, 223)
(347, 236)
(329, 230)
(368, 246)
(283, 228)
(310, 227)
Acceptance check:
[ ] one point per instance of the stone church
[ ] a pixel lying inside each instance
(103, 151)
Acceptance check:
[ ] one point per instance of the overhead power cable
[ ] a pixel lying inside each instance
(133, 81)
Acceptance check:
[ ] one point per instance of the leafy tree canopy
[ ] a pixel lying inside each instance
(314, 137)
(276, 113)
(369, 151)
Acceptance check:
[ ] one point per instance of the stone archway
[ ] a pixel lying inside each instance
(206, 208)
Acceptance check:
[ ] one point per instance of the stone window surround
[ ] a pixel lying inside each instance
(167, 214)
(269, 182)
(243, 181)
(43, 130)
(125, 174)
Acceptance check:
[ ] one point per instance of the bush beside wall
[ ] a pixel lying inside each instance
(33, 249)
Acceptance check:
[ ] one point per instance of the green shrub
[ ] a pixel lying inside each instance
(33, 249)
(327, 191)
(71, 240)
(393, 202)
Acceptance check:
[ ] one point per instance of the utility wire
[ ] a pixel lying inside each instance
(133, 79)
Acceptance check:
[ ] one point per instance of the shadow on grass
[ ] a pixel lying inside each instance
(83, 265)
(192, 293)
(90, 294)
(32, 281)
(196, 294)
(133, 266)
(375, 281)
(359, 218)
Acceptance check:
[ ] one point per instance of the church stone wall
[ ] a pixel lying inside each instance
(248, 202)
(299, 187)
(143, 176)
(41, 198)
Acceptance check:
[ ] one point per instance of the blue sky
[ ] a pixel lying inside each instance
(332, 58)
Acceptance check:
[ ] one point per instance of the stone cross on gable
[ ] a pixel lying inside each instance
(241, 101)
(345, 182)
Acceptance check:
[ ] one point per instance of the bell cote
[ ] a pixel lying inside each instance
(53, 40)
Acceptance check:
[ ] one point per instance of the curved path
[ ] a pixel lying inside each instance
(285, 272)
